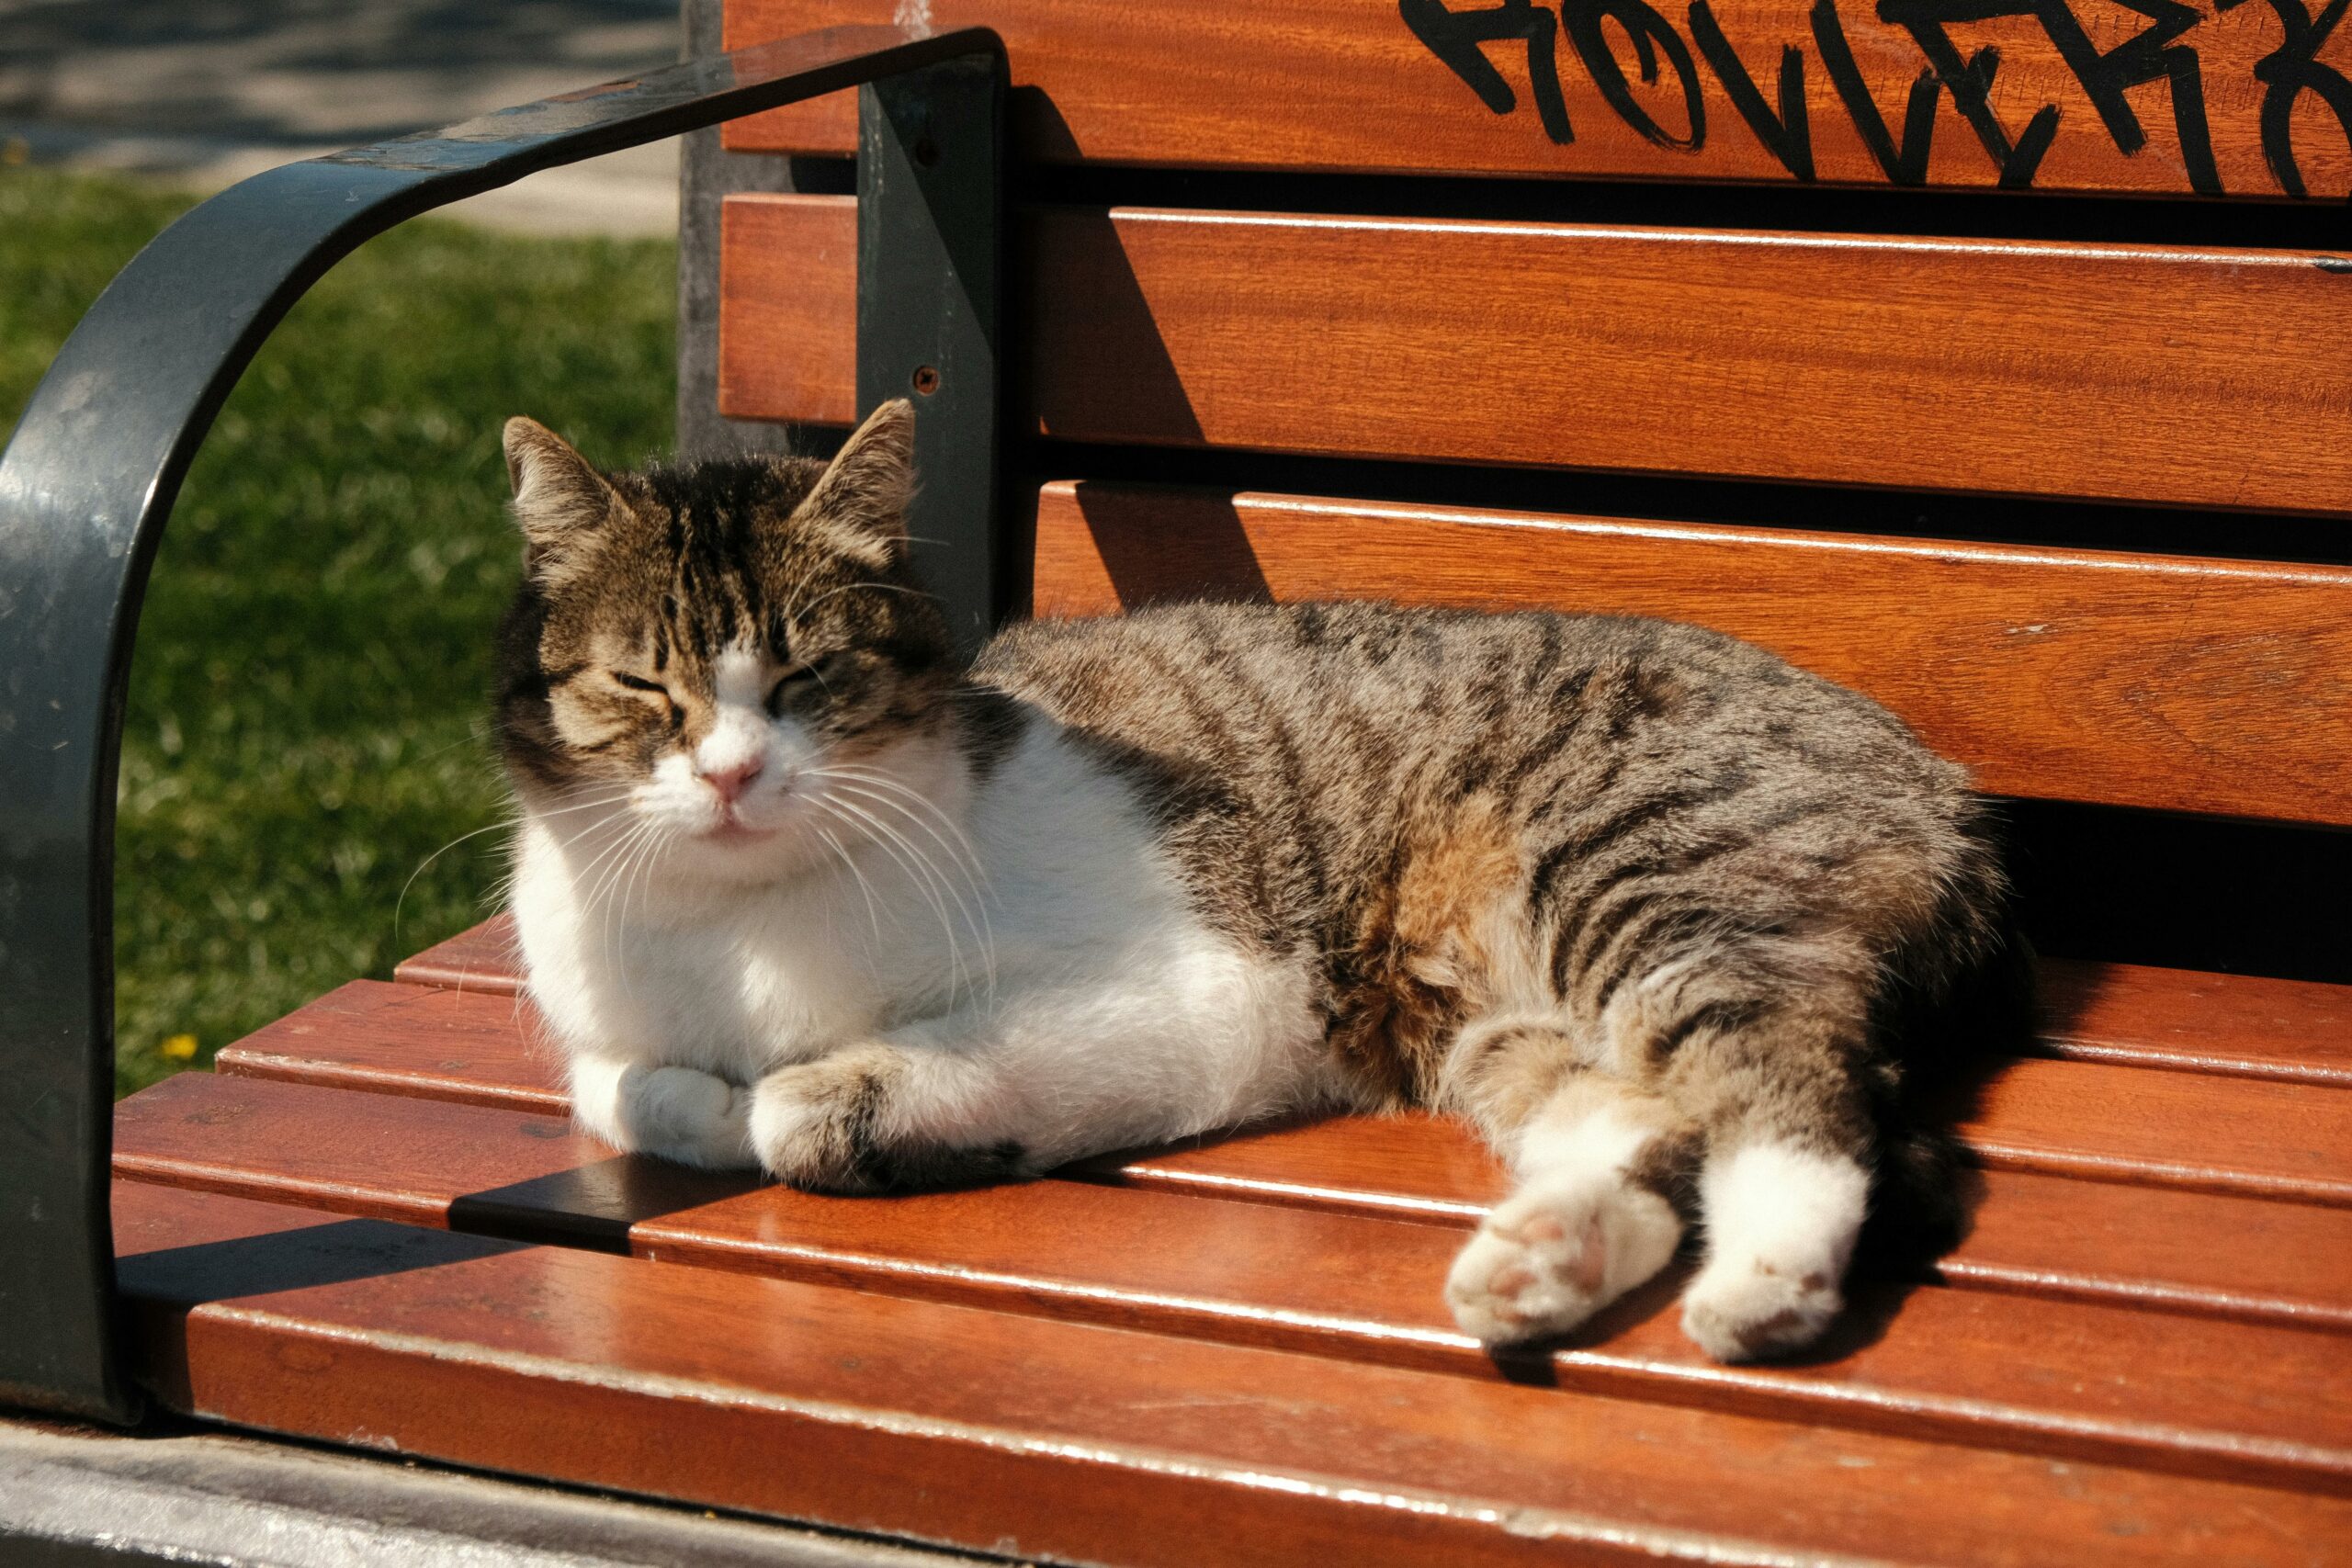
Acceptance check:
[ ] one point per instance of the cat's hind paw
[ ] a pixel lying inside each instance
(1744, 1310)
(1558, 1251)
(1781, 1226)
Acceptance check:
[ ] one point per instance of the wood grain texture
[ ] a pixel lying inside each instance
(1338, 85)
(2179, 1391)
(2179, 1250)
(1048, 1438)
(2219, 379)
(2205, 1133)
(481, 958)
(2165, 682)
(2293, 1030)
(2296, 1030)
(2275, 1140)
(2238, 1136)
(2110, 1123)
(787, 318)
(2201, 379)
(413, 1039)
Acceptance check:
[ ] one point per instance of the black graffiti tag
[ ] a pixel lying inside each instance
(2149, 56)
(1969, 80)
(2291, 71)
(1454, 37)
(1904, 164)
(1651, 34)
(2154, 55)
(1787, 135)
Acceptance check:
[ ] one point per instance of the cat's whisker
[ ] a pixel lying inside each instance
(793, 620)
(615, 898)
(913, 806)
(984, 936)
(640, 873)
(921, 874)
(967, 864)
(873, 914)
(925, 877)
(884, 782)
(401, 903)
(610, 856)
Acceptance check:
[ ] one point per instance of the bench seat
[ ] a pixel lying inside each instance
(374, 1225)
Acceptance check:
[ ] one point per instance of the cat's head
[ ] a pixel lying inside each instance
(732, 656)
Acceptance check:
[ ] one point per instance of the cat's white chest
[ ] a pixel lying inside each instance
(733, 987)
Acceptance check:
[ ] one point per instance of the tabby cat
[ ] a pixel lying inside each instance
(1668, 921)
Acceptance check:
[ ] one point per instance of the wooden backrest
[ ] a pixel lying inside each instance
(1337, 361)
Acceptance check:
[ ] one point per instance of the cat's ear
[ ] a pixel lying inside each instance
(861, 499)
(560, 499)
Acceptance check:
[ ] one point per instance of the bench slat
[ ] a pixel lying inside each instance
(1333, 85)
(2133, 680)
(2213, 378)
(2033, 1234)
(1037, 1438)
(2293, 1030)
(479, 958)
(2296, 1030)
(2237, 1136)
(2190, 1130)
(2147, 1387)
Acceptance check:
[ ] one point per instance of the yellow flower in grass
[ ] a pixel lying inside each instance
(180, 1047)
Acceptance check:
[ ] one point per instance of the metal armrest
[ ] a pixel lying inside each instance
(90, 477)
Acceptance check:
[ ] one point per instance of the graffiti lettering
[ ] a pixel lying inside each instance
(2291, 71)
(1454, 37)
(2158, 53)
(1969, 83)
(1905, 165)
(1650, 33)
(1788, 135)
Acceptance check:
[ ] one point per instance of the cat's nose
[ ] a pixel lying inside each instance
(731, 781)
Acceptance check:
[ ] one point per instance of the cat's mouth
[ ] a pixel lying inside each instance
(732, 830)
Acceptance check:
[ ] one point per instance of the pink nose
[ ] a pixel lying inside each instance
(730, 782)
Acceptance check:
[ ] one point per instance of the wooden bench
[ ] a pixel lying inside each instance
(2054, 476)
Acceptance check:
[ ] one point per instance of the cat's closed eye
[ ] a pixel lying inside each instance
(797, 686)
(655, 689)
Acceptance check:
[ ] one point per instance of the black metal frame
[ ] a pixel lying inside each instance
(90, 477)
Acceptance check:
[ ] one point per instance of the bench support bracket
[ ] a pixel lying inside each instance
(930, 198)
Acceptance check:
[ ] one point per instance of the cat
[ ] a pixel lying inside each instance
(1674, 925)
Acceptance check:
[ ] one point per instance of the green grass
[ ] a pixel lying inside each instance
(308, 713)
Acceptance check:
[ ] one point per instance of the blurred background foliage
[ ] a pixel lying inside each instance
(308, 721)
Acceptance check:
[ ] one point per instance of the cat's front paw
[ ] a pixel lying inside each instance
(683, 1115)
(1556, 1252)
(852, 1122)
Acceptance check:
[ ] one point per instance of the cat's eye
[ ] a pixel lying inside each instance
(638, 683)
(795, 685)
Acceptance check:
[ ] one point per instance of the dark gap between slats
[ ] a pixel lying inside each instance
(1971, 214)
(2121, 219)
(2181, 892)
(1927, 514)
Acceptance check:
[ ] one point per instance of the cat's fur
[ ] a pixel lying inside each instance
(1661, 915)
